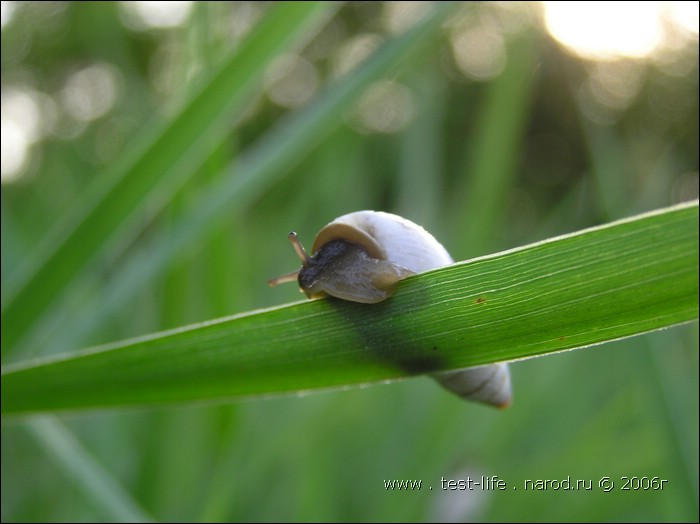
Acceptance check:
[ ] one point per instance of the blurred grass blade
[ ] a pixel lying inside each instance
(258, 167)
(605, 283)
(493, 158)
(152, 170)
(102, 489)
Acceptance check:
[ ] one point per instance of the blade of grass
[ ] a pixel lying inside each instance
(100, 487)
(421, 166)
(492, 164)
(257, 169)
(152, 170)
(663, 378)
(605, 283)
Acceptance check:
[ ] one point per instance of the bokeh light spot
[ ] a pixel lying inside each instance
(143, 15)
(353, 52)
(291, 81)
(91, 92)
(386, 107)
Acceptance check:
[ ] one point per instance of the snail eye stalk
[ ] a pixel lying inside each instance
(294, 275)
(296, 244)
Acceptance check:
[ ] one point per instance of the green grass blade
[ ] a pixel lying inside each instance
(601, 284)
(493, 158)
(152, 170)
(108, 495)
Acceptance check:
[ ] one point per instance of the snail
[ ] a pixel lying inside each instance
(362, 256)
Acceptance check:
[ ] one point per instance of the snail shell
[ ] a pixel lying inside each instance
(362, 256)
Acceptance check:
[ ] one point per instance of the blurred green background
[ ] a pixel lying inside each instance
(503, 127)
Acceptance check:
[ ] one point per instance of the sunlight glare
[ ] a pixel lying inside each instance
(606, 30)
(685, 15)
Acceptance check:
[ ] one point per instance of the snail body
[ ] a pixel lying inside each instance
(362, 256)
